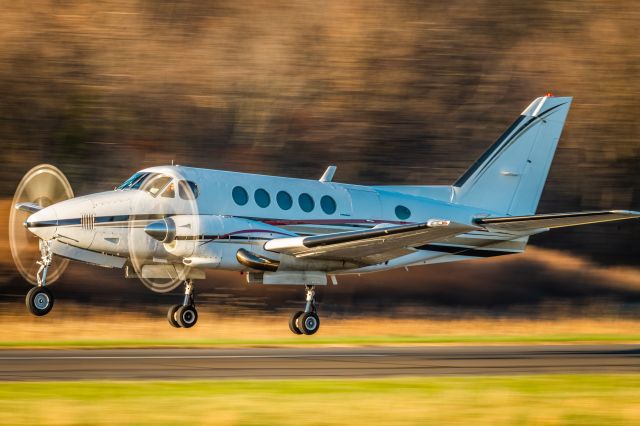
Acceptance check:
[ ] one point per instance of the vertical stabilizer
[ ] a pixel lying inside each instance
(508, 178)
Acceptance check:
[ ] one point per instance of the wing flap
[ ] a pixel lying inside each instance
(554, 220)
(369, 246)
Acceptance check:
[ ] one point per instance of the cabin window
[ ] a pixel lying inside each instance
(306, 202)
(328, 204)
(262, 198)
(402, 212)
(284, 200)
(240, 195)
(188, 190)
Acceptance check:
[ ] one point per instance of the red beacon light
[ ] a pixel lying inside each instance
(549, 95)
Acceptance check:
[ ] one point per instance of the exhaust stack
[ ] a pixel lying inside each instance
(253, 261)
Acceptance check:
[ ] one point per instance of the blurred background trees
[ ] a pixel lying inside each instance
(392, 92)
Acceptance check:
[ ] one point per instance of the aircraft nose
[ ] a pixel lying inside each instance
(43, 223)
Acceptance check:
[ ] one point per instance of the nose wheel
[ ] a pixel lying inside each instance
(39, 299)
(184, 315)
(307, 321)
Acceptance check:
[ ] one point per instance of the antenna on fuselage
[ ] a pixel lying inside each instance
(327, 176)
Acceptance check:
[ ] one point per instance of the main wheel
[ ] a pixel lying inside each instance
(39, 301)
(187, 316)
(293, 322)
(309, 323)
(171, 316)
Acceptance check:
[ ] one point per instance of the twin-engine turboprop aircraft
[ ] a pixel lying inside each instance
(165, 225)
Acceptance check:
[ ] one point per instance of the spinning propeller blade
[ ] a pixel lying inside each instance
(151, 257)
(40, 187)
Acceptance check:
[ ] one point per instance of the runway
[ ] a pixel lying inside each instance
(176, 364)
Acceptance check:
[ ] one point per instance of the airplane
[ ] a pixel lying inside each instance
(166, 225)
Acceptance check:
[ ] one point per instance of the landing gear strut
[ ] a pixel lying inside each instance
(307, 321)
(184, 315)
(39, 299)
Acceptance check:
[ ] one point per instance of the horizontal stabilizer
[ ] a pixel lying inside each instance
(554, 220)
(28, 207)
(369, 246)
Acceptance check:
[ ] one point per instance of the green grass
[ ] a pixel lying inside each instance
(319, 341)
(510, 400)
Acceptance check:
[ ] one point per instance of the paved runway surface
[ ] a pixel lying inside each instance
(171, 364)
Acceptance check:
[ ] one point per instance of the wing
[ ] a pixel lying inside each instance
(369, 246)
(554, 220)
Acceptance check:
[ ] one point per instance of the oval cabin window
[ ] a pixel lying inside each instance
(306, 202)
(284, 200)
(240, 195)
(262, 198)
(328, 204)
(402, 212)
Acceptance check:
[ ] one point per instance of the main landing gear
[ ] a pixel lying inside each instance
(307, 321)
(185, 315)
(39, 299)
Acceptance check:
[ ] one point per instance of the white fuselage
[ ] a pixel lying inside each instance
(217, 218)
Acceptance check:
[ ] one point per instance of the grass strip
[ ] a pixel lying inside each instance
(326, 341)
(586, 399)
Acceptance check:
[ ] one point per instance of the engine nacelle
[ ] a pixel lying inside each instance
(212, 241)
(186, 232)
(188, 236)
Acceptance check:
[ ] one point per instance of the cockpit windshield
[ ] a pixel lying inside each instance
(149, 182)
(154, 183)
(136, 179)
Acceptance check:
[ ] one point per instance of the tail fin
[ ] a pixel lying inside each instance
(508, 178)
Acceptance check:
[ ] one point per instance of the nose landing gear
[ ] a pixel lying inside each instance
(185, 315)
(307, 321)
(39, 299)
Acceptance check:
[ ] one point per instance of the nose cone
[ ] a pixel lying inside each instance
(162, 230)
(43, 223)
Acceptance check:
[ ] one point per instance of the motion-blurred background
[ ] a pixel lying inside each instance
(396, 92)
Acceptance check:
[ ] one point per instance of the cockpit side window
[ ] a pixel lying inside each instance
(188, 190)
(155, 183)
(170, 191)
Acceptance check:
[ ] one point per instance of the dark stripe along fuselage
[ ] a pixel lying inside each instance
(130, 221)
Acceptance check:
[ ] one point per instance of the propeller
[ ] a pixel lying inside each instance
(159, 201)
(40, 187)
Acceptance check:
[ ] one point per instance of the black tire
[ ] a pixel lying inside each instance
(293, 322)
(187, 316)
(39, 301)
(309, 323)
(171, 316)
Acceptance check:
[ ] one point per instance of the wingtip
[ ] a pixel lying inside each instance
(626, 212)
